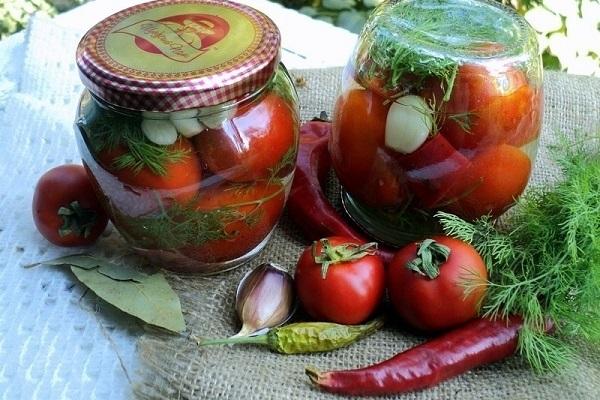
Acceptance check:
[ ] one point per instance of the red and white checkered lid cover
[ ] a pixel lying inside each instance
(170, 55)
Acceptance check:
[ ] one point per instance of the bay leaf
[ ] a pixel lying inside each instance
(145, 296)
(151, 300)
(118, 272)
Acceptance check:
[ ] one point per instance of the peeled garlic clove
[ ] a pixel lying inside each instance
(188, 127)
(159, 131)
(264, 299)
(214, 121)
(183, 114)
(408, 124)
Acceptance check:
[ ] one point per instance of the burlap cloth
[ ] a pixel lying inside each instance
(176, 368)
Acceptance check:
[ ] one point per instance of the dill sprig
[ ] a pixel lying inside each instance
(178, 225)
(108, 129)
(408, 42)
(544, 262)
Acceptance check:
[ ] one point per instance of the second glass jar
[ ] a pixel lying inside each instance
(440, 110)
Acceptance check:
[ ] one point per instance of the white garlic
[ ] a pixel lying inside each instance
(159, 131)
(214, 121)
(408, 124)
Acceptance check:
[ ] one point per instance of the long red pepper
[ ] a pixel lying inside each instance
(477, 343)
(307, 204)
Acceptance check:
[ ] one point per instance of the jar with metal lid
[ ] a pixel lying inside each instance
(188, 129)
(440, 109)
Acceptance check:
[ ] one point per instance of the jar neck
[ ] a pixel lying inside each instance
(203, 111)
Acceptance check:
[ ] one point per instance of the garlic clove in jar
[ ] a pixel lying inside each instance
(188, 127)
(264, 299)
(214, 121)
(409, 122)
(159, 131)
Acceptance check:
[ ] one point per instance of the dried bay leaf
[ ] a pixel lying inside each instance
(118, 272)
(145, 296)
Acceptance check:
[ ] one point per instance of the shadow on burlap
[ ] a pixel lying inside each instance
(176, 368)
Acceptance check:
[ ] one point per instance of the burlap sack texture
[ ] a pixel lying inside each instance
(176, 368)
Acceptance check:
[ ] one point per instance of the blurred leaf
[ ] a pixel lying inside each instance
(309, 11)
(351, 20)
(550, 61)
(543, 20)
(338, 4)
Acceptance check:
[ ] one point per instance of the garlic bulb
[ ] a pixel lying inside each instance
(264, 299)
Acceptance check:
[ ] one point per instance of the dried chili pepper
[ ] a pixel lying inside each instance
(477, 343)
(307, 204)
(305, 337)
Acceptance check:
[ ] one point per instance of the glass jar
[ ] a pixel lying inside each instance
(188, 129)
(440, 109)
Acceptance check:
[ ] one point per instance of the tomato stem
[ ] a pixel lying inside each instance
(341, 253)
(430, 256)
(76, 220)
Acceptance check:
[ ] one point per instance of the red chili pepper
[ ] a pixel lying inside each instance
(476, 343)
(307, 204)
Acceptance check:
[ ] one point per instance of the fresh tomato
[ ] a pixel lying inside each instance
(65, 208)
(495, 178)
(426, 283)
(180, 182)
(340, 280)
(357, 149)
(246, 213)
(252, 144)
(486, 107)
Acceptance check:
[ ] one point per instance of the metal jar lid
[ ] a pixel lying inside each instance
(171, 55)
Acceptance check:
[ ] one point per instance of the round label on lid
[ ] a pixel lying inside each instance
(186, 53)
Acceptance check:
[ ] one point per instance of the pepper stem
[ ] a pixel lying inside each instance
(313, 374)
(341, 253)
(430, 256)
(262, 340)
(76, 220)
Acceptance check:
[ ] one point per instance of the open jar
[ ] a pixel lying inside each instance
(188, 129)
(440, 109)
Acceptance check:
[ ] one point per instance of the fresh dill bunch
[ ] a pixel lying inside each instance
(108, 129)
(544, 264)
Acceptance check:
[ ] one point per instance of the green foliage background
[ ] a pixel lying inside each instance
(562, 49)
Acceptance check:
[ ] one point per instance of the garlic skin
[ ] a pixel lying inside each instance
(264, 299)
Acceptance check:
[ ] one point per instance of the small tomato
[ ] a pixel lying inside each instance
(65, 208)
(426, 283)
(340, 280)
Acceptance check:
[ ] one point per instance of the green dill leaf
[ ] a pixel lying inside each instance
(107, 130)
(544, 261)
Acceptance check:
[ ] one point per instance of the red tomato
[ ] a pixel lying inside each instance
(180, 182)
(357, 145)
(253, 211)
(65, 208)
(250, 145)
(431, 304)
(350, 291)
(492, 103)
(492, 182)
